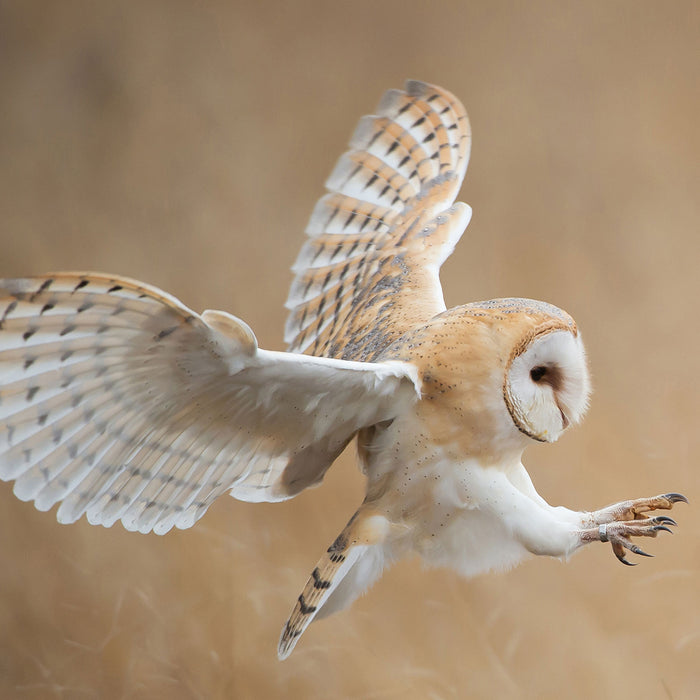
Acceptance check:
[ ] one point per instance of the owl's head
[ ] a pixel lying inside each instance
(506, 368)
(546, 385)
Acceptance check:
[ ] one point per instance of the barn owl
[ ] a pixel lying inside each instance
(119, 402)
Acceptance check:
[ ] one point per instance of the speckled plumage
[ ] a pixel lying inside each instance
(119, 402)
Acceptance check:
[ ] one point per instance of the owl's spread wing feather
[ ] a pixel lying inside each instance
(369, 270)
(120, 402)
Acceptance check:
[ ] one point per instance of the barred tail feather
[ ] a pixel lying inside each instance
(355, 560)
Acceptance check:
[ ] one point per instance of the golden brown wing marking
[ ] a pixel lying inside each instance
(369, 177)
(437, 120)
(340, 214)
(369, 269)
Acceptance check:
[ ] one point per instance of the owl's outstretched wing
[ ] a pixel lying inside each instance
(370, 269)
(120, 402)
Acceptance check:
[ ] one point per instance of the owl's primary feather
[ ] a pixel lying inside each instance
(118, 401)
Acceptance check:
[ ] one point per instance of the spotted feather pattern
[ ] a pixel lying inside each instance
(369, 269)
(118, 401)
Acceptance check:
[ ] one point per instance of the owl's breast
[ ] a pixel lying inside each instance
(437, 496)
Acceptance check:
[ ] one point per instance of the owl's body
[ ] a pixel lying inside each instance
(444, 477)
(119, 402)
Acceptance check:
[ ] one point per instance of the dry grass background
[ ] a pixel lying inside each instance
(185, 143)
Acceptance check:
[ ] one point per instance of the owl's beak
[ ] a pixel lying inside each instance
(565, 422)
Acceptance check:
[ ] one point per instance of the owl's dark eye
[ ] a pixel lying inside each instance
(537, 373)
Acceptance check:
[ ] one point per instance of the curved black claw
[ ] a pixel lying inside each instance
(663, 519)
(676, 497)
(619, 551)
(639, 550)
(621, 557)
(656, 528)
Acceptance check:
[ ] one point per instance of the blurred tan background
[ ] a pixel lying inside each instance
(184, 144)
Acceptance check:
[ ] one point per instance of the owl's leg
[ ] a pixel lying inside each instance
(620, 521)
(558, 531)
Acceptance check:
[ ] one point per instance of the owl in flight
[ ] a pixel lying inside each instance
(119, 402)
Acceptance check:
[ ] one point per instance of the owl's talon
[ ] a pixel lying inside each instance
(619, 552)
(638, 508)
(662, 527)
(619, 534)
(675, 497)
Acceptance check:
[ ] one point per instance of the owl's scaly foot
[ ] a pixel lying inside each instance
(636, 509)
(618, 534)
(621, 521)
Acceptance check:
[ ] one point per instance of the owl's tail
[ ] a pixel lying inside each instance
(350, 565)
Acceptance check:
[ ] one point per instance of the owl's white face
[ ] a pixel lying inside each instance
(547, 385)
